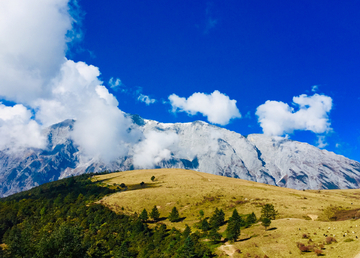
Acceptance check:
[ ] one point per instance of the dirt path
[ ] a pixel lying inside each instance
(228, 249)
(357, 256)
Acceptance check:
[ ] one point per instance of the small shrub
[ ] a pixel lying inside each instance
(329, 240)
(348, 240)
(153, 178)
(304, 248)
(321, 246)
(305, 236)
(318, 252)
(298, 244)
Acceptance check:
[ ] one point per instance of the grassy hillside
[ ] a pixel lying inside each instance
(300, 212)
(61, 220)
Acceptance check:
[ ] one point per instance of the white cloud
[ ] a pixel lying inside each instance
(146, 99)
(101, 128)
(321, 142)
(217, 107)
(35, 72)
(17, 130)
(32, 46)
(154, 148)
(115, 83)
(278, 118)
(315, 88)
(104, 94)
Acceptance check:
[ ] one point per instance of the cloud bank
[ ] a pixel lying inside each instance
(32, 46)
(217, 107)
(278, 118)
(48, 88)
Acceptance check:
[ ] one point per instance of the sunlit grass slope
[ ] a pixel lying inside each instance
(192, 191)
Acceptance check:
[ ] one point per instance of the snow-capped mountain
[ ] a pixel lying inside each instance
(198, 146)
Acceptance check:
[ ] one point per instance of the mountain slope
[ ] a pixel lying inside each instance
(197, 146)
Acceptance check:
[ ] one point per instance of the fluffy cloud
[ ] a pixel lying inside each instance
(278, 118)
(35, 73)
(32, 46)
(217, 107)
(17, 130)
(154, 148)
(77, 93)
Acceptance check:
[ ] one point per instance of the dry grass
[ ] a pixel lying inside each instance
(192, 191)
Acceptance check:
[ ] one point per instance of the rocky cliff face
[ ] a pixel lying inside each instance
(198, 146)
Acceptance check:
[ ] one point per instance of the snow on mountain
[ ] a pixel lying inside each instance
(198, 146)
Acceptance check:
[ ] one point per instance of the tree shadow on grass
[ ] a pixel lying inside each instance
(180, 219)
(244, 239)
(270, 229)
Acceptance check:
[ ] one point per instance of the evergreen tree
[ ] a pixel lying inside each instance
(266, 222)
(155, 214)
(144, 215)
(187, 249)
(174, 215)
(187, 231)
(233, 228)
(205, 225)
(217, 219)
(214, 235)
(235, 216)
(251, 219)
(268, 211)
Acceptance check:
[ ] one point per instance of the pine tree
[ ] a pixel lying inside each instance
(155, 214)
(266, 222)
(187, 231)
(233, 229)
(217, 218)
(144, 215)
(251, 219)
(205, 225)
(268, 211)
(214, 235)
(187, 249)
(174, 215)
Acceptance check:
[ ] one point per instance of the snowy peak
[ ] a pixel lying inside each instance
(197, 145)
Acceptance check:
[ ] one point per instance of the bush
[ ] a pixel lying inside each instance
(329, 240)
(318, 252)
(304, 248)
(305, 236)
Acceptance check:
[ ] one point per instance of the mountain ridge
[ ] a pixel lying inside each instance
(197, 145)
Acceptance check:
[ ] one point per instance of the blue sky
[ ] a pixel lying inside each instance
(252, 51)
(189, 60)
